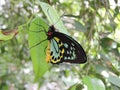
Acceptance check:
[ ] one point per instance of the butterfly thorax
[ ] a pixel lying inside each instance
(50, 32)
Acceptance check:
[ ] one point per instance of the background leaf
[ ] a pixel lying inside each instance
(114, 80)
(93, 83)
(7, 35)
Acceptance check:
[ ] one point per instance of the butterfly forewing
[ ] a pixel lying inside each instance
(63, 48)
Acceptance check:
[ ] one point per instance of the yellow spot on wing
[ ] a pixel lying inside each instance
(55, 61)
(62, 51)
(57, 39)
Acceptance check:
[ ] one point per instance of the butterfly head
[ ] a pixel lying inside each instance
(50, 32)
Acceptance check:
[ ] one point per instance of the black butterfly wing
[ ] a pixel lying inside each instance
(70, 50)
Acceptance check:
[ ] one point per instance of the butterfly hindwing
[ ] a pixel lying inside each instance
(63, 48)
(56, 50)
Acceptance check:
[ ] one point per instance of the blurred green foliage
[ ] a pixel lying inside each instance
(94, 23)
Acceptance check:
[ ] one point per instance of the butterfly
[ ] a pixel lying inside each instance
(63, 48)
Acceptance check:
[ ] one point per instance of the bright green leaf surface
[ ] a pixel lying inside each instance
(38, 52)
(35, 37)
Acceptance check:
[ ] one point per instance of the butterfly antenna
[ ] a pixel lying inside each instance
(38, 43)
(58, 19)
(49, 14)
(51, 17)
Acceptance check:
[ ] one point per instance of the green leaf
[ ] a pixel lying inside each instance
(109, 44)
(93, 83)
(38, 52)
(53, 17)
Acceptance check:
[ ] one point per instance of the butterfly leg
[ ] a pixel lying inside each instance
(38, 43)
